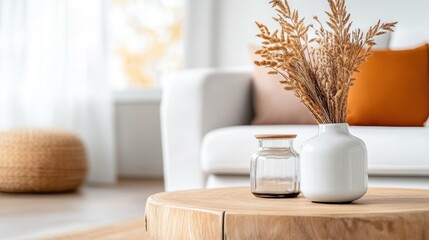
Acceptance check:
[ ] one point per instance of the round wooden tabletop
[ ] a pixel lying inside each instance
(234, 213)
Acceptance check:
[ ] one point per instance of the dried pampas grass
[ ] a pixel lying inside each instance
(320, 76)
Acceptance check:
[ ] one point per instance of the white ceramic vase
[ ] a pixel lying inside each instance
(334, 165)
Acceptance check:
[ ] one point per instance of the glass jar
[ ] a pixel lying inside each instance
(274, 170)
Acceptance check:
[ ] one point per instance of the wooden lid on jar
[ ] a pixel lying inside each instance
(275, 136)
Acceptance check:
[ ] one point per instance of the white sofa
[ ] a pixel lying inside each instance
(207, 139)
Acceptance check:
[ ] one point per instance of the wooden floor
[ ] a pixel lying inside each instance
(32, 216)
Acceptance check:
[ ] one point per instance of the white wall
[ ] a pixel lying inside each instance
(198, 33)
(138, 133)
(232, 26)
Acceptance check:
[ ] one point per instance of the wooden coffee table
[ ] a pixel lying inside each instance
(234, 213)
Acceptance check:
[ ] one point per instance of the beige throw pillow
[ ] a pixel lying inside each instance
(272, 104)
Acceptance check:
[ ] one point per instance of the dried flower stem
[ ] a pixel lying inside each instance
(320, 75)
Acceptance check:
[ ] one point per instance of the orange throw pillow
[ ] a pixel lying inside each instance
(392, 89)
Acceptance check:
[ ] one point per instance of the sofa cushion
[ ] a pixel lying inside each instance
(228, 150)
(273, 104)
(392, 89)
(391, 150)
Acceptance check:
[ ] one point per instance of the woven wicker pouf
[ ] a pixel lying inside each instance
(41, 161)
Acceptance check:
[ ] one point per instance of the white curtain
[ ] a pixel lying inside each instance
(53, 74)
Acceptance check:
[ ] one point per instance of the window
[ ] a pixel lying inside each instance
(145, 41)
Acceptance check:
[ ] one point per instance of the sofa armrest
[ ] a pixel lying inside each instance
(195, 102)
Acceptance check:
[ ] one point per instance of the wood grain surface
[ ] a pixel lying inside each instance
(234, 213)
